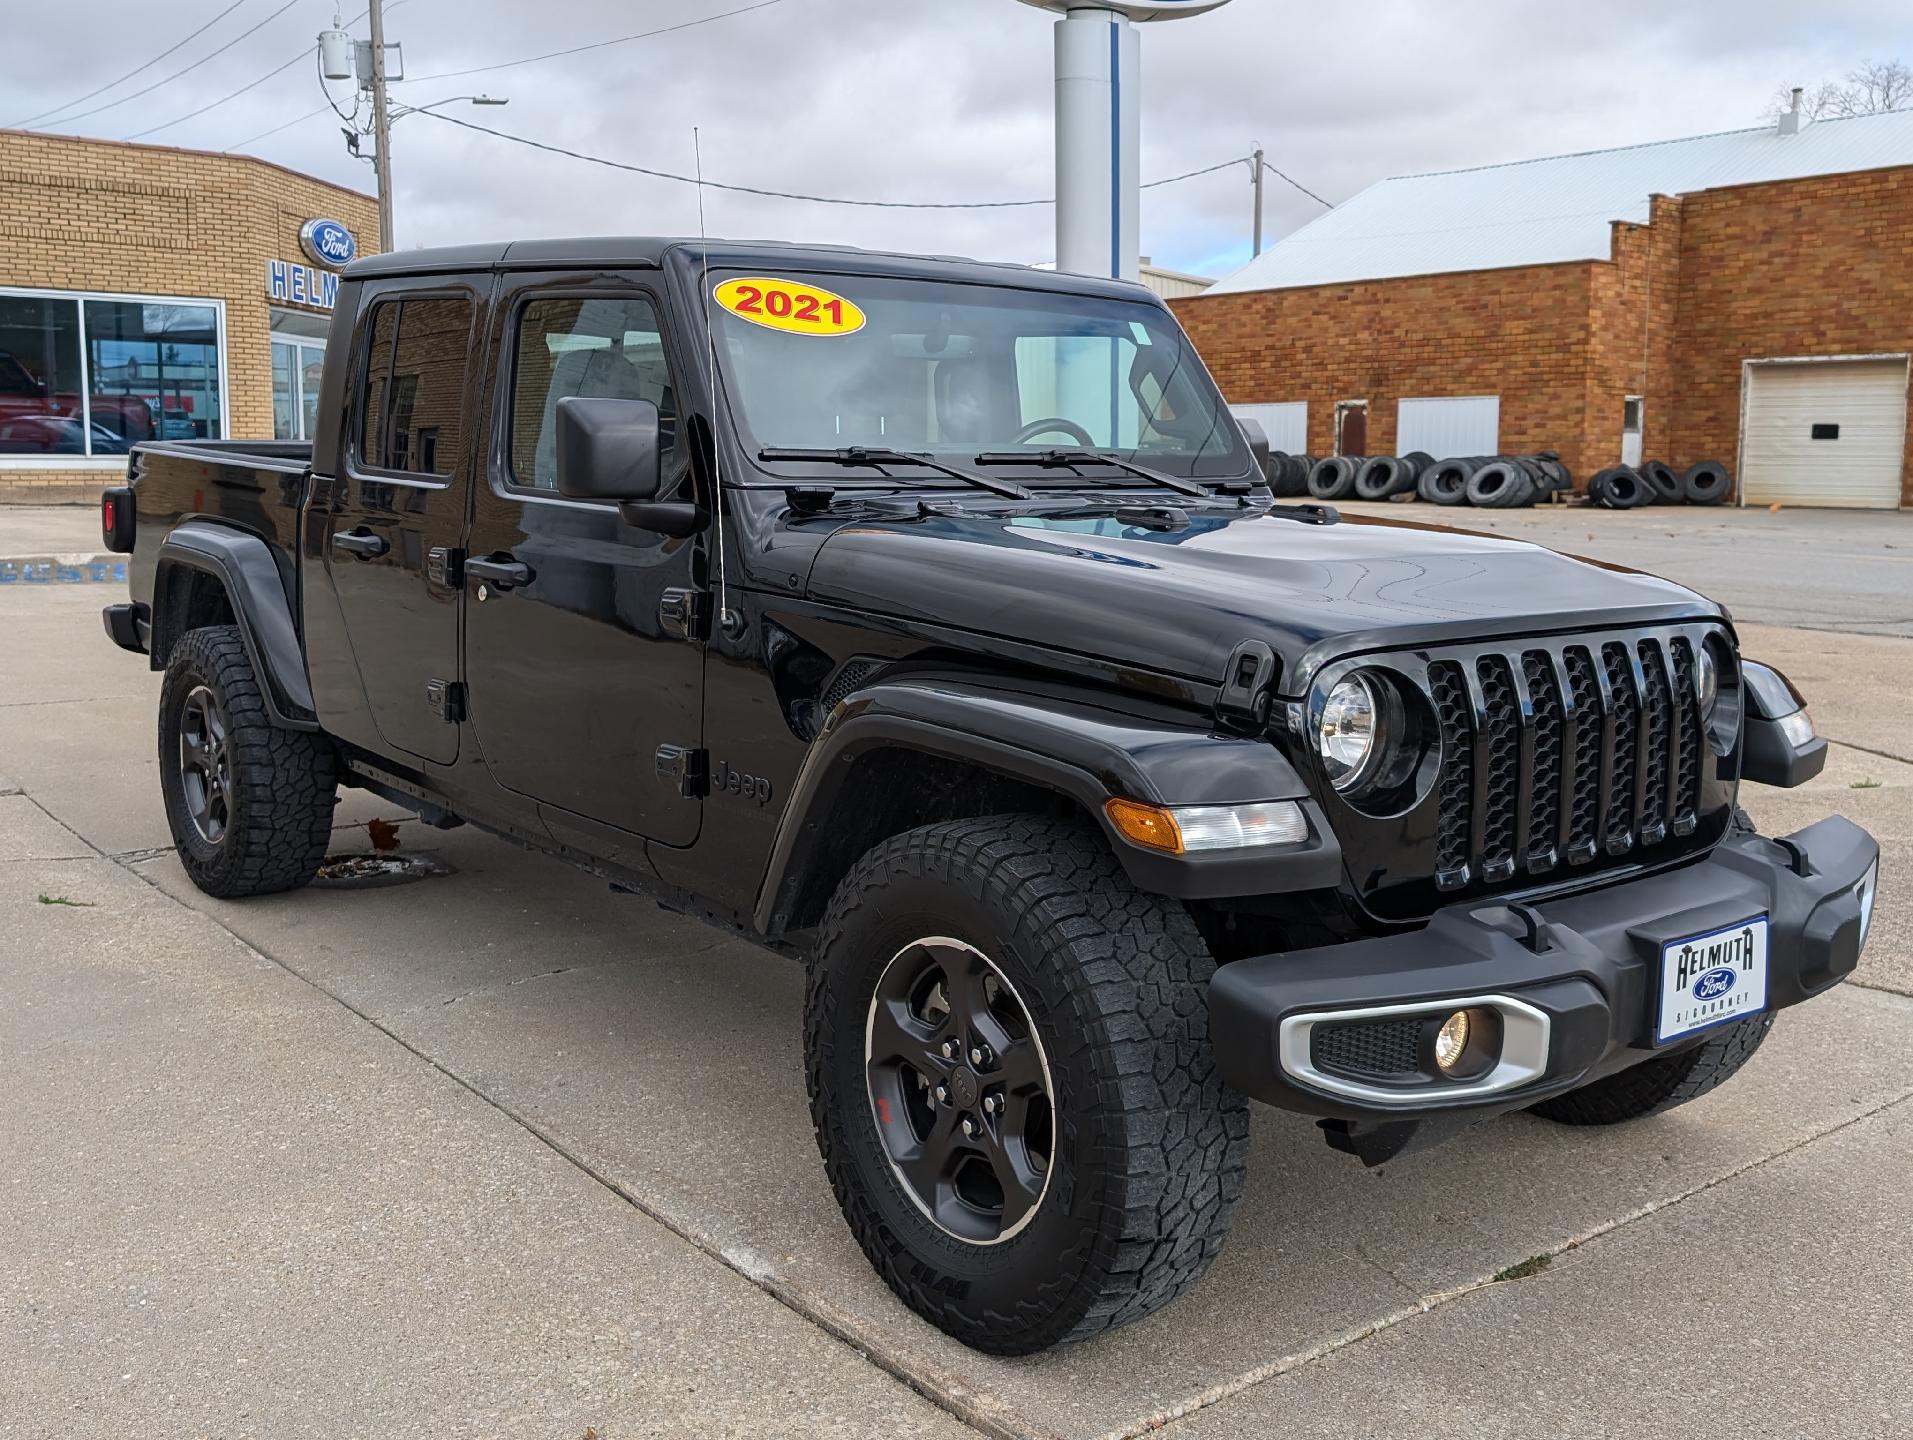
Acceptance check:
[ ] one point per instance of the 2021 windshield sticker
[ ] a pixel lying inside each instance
(789, 305)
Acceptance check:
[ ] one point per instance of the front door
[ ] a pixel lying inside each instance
(1351, 427)
(396, 511)
(577, 683)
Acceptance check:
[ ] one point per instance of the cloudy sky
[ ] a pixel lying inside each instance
(924, 100)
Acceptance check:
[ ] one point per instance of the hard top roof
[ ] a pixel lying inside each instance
(650, 251)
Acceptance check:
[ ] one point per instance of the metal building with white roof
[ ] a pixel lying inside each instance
(1758, 312)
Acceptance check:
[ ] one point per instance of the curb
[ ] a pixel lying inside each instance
(72, 569)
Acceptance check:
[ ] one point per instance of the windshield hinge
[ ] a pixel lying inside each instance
(684, 614)
(1246, 683)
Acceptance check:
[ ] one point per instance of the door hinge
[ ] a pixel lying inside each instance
(686, 770)
(447, 699)
(684, 613)
(1246, 681)
(445, 567)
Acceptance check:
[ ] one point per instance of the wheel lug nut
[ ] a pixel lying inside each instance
(976, 1055)
(969, 1126)
(949, 1049)
(989, 1104)
(943, 1094)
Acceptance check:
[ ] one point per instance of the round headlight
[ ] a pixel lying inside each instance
(1348, 737)
(1707, 676)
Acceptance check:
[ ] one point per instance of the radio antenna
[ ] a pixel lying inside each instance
(710, 379)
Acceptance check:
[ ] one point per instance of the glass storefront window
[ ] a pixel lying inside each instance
(154, 369)
(42, 407)
(298, 361)
(85, 376)
(285, 399)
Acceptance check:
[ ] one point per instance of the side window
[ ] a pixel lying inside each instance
(605, 347)
(413, 408)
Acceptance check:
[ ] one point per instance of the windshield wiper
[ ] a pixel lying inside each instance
(1053, 458)
(879, 455)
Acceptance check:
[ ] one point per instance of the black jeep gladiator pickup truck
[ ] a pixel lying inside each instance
(931, 621)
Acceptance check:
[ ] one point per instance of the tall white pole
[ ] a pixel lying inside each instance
(1098, 143)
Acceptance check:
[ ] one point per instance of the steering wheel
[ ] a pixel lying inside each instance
(1059, 425)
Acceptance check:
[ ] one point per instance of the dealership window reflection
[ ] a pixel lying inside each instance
(91, 376)
(153, 369)
(41, 409)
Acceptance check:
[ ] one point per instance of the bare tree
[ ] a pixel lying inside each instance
(1872, 89)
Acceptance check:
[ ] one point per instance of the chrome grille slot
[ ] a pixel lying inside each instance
(1450, 694)
(1544, 824)
(1623, 710)
(1501, 721)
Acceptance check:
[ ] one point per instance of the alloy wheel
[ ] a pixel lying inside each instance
(205, 764)
(960, 1090)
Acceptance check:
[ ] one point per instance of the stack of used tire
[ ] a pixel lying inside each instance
(1288, 475)
(1628, 487)
(1494, 482)
(1366, 477)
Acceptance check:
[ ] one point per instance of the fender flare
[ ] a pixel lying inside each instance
(1068, 742)
(243, 563)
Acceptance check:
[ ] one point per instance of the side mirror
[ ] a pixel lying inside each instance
(607, 449)
(1258, 439)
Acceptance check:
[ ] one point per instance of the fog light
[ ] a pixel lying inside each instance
(1451, 1041)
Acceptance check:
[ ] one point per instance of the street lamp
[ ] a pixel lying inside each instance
(402, 111)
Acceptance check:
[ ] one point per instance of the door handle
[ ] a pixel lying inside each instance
(360, 543)
(504, 572)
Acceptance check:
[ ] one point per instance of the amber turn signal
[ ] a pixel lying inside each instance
(1149, 825)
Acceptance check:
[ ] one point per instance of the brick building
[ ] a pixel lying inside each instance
(148, 292)
(1746, 297)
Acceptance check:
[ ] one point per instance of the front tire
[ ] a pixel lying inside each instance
(1008, 963)
(1661, 1084)
(249, 804)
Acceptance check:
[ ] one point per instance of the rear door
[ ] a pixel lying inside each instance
(394, 513)
(582, 686)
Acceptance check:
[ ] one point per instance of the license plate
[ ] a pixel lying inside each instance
(1712, 979)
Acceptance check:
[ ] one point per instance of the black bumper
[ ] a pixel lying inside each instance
(127, 626)
(1591, 969)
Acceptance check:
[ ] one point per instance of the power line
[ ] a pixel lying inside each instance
(1329, 204)
(792, 194)
(253, 85)
(211, 54)
(285, 125)
(21, 124)
(595, 45)
(193, 114)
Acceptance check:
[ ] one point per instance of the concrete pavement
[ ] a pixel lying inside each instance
(507, 1154)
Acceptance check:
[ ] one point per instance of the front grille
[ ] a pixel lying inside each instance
(1369, 1049)
(1561, 754)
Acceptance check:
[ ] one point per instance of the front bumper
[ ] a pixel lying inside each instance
(1578, 977)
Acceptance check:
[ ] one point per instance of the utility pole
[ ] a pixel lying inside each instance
(381, 124)
(1255, 164)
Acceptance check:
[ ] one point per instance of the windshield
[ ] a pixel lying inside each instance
(827, 361)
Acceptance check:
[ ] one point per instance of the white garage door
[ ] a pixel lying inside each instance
(1449, 426)
(1287, 424)
(1825, 433)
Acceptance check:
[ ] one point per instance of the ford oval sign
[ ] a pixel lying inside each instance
(1714, 984)
(328, 243)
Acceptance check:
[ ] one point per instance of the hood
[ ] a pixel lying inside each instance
(1179, 601)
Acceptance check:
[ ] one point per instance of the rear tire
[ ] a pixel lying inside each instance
(1657, 1085)
(1145, 1147)
(249, 803)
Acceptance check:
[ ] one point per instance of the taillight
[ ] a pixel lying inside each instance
(117, 517)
